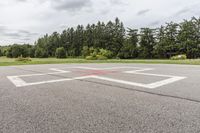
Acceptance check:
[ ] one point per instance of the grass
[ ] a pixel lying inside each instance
(10, 62)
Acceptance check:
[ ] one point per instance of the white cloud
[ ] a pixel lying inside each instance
(46, 16)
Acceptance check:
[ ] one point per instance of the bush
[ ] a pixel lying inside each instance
(4, 52)
(60, 53)
(41, 53)
(179, 57)
(16, 51)
(97, 57)
(31, 52)
(105, 53)
(23, 59)
(93, 50)
(91, 58)
(1, 53)
(9, 53)
(101, 57)
(98, 54)
(85, 51)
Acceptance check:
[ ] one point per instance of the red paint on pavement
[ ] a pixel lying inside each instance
(95, 72)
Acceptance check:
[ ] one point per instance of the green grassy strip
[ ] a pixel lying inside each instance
(9, 62)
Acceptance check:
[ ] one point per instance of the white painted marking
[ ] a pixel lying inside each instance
(170, 79)
(139, 70)
(121, 81)
(54, 81)
(151, 74)
(87, 68)
(58, 70)
(164, 82)
(108, 68)
(150, 86)
(53, 69)
(18, 82)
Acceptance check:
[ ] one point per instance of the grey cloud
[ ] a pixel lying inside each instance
(143, 12)
(2, 28)
(71, 5)
(45, 16)
(23, 31)
(194, 8)
(63, 26)
(21, 0)
(104, 11)
(155, 23)
(26, 33)
(26, 39)
(16, 34)
(117, 2)
(182, 11)
(12, 35)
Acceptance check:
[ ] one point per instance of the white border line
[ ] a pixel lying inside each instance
(165, 82)
(55, 81)
(18, 82)
(121, 81)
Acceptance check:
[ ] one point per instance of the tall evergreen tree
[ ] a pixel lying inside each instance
(129, 49)
(147, 43)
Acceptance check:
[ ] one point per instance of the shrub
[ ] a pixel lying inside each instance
(31, 52)
(4, 52)
(16, 50)
(91, 58)
(23, 59)
(93, 50)
(105, 53)
(85, 51)
(101, 57)
(60, 53)
(98, 54)
(94, 54)
(1, 53)
(41, 53)
(179, 57)
(9, 53)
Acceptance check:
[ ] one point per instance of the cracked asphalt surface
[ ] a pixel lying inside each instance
(94, 106)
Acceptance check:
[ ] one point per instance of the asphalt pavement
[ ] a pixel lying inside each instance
(97, 98)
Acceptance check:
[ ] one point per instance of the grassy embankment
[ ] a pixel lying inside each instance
(9, 62)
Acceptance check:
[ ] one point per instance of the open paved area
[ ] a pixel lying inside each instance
(90, 98)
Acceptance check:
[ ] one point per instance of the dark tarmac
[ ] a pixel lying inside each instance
(96, 98)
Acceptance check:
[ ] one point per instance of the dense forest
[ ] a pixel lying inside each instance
(113, 40)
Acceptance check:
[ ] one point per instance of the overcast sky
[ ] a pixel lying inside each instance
(23, 21)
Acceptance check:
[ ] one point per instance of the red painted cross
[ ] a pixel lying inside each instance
(95, 72)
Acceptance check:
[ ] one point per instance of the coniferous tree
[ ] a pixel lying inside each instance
(147, 43)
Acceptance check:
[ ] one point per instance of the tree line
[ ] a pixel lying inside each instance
(120, 42)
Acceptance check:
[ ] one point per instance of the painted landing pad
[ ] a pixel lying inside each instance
(100, 74)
